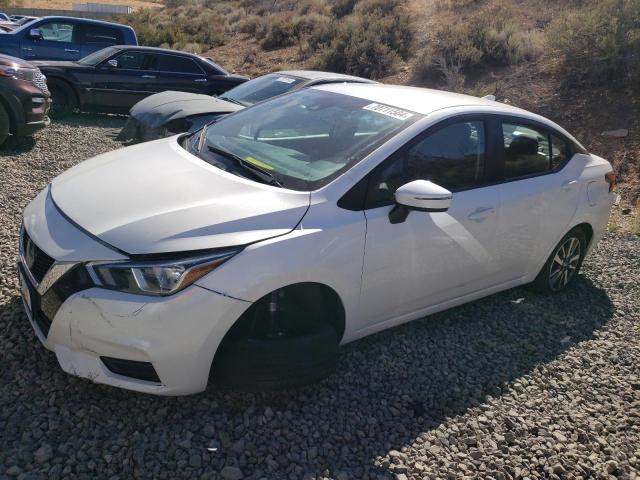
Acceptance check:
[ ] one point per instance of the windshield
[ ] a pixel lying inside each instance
(305, 139)
(96, 57)
(261, 88)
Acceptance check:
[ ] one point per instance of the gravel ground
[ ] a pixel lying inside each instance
(511, 386)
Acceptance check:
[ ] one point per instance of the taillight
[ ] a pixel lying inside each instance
(611, 179)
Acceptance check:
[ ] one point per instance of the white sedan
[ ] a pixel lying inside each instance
(246, 253)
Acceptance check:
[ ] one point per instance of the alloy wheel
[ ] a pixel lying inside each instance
(565, 263)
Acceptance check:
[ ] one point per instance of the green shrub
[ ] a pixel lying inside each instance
(599, 42)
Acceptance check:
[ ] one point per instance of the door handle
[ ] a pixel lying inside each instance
(569, 184)
(71, 50)
(28, 49)
(479, 214)
(200, 80)
(148, 76)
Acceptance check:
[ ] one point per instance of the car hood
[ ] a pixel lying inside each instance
(57, 64)
(156, 197)
(156, 110)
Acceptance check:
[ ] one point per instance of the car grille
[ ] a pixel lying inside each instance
(40, 81)
(35, 259)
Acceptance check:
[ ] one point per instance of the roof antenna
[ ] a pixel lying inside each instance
(490, 97)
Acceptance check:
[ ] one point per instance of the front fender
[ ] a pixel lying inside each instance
(325, 249)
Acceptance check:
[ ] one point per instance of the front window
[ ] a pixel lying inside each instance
(262, 88)
(96, 57)
(305, 139)
(452, 156)
(57, 32)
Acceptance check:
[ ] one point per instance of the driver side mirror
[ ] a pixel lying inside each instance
(420, 195)
(112, 63)
(35, 34)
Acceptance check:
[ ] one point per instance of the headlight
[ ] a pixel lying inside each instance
(156, 277)
(16, 72)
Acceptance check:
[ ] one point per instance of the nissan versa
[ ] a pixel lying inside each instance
(245, 253)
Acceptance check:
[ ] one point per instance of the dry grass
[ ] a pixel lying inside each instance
(68, 4)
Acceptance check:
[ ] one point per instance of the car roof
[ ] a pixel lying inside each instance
(157, 49)
(319, 75)
(84, 20)
(415, 99)
(426, 101)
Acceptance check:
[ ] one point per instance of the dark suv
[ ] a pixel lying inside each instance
(24, 98)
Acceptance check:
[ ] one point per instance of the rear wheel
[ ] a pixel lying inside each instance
(4, 125)
(563, 264)
(284, 340)
(63, 100)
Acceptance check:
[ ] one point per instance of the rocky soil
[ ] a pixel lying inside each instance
(511, 386)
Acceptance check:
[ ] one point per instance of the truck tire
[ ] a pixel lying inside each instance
(4, 125)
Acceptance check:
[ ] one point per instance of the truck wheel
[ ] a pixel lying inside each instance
(4, 125)
(284, 340)
(63, 100)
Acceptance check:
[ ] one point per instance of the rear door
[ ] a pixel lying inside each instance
(176, 72)
(59, 41)
(540, 191)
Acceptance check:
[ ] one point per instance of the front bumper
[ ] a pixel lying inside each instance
(178, 335)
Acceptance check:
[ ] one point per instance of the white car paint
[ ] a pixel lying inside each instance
(158, 198)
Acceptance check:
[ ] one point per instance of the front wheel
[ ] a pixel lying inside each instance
(284, 340)
(63, 100)
(4, 125)
(563, 264)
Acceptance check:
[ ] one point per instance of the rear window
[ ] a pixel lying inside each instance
(176, 64)
(100, 35)
(261, 88)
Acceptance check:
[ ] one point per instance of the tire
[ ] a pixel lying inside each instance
(562, 266)
(255, 365)
(290, 348)
(63, 100)
(4, 125)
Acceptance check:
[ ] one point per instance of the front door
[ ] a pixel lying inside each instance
(120, 85)
(431, 257)
(58, 42)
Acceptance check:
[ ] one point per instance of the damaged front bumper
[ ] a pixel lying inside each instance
(176, 336)
(160, 345)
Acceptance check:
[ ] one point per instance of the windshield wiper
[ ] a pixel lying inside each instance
(232, 100)
(257, 172)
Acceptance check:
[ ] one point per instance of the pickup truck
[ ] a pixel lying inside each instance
(64, 38)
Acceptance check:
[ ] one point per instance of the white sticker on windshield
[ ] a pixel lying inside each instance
(389, 111)
(285, 79)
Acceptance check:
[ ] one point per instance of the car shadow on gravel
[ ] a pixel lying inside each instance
(17, 145)
(389, 389)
